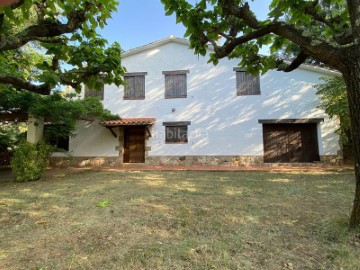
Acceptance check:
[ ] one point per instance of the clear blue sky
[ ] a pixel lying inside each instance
(139, 22)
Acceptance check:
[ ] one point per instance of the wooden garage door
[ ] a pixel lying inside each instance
(290, 143)
(134, 144)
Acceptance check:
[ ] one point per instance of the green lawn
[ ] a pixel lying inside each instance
(179, 220)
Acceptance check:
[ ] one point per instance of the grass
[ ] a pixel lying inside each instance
(179, 220)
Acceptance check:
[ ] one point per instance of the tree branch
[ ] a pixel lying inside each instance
(354, 12)
(45, 29)
(60, 39)
(310, 44)
(64, 80)
(230, 44)
(344, 38)
(309, 8)
(40, 10)
(300, 59)
(229, 7)
(41, 89)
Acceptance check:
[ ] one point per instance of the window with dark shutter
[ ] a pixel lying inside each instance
(246, 84)
(135, 85)
(175, 83)
(52, 137)
(94, 93)
(176, 132)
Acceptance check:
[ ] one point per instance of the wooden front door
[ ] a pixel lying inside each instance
(134, 144)
(285, 143)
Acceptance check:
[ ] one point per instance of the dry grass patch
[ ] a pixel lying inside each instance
(179, 220)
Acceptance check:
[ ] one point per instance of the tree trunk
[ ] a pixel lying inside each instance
(352, 78)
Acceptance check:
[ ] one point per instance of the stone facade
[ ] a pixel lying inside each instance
(204, 160)
(333, 159)
(85, 161)
(230, 161)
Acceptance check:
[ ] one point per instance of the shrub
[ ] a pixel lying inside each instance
(30, 160)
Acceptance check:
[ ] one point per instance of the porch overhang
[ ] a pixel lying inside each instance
(13, 117)
(145, 122)
(129, 122)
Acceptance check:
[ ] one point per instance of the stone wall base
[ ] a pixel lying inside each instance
(332, 159)
(84, 161)
(231, 161)
(204, 160)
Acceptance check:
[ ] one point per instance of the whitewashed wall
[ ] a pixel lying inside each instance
(91, 140)
(221, 122)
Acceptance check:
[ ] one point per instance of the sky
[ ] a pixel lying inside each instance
(139, 22)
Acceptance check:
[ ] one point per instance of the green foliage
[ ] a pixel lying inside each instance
(333, 96)
(30, 160)
(55, 108)
(206, 19)
(103, 204)
(53, 43)
(72, 54)
(10, 136)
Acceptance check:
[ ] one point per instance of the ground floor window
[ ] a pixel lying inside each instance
(176, 132)
(53, 137)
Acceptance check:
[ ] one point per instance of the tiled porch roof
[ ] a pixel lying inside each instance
(129, 122)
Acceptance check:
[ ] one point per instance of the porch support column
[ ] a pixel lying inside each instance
(121, 144)
(35, 130)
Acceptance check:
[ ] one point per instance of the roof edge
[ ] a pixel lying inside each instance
(155, 44)
(291, 121)
(186, 42)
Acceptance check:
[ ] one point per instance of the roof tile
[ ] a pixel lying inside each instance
(129, 122)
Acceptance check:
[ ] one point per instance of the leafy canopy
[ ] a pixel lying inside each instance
(57, 109)
(46, 44)
(333, 96)
(291, 25)
(10, 135)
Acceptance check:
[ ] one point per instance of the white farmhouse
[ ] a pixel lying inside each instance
(177, 109)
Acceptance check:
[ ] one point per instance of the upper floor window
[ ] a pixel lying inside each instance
(175, 83)
(246, 84)
(135, 85)
(94, 93)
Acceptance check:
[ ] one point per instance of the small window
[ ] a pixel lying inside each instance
(94, 93)
(176, 132)
(135, 85)
(246, 84)
(52, 137)
(175, 84)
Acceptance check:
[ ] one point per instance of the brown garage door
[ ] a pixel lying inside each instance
(290, 143)
(134, 144)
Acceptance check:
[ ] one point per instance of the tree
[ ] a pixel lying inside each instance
(10, 135)
(333, 96)
(62, 111)
(48, 43)
(329, 34)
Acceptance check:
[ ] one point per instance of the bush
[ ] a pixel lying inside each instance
(30, 160)
(10, 136)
